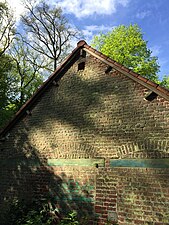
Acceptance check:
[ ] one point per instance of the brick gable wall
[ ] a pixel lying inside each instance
(91, 115)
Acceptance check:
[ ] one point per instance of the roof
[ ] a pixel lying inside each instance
(69, 61)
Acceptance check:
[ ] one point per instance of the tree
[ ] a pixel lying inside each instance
(27, 72)
(19, 78)
(7, 88)
(48, 33)
(125, 45)
(7, 27)
(165, 81)
(7, 80)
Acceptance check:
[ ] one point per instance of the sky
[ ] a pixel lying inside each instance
(93, 16)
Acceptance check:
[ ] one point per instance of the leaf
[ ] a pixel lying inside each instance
(125, 44)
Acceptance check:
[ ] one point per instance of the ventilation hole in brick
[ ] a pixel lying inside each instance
(97, 165)
(81, 66)
(109, 68)
(151, 96)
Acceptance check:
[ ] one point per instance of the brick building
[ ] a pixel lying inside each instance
(96, 137)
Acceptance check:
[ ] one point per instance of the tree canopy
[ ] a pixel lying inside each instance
(7, 27)
(28, 54)
(7, 88)
(48, 32)
(125, 44)
(26, 71)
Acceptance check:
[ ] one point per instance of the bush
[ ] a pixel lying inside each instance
(71, 219)
(38, 213)
(34, 213)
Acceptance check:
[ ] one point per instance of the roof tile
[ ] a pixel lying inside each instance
(125, 69)
(142, 78)
(152, 83)
(105, 57)
(162, 89)
(81, 43)
(86, 46)
(110, 60)
(92, 49)
(117, 64)
(133, 73)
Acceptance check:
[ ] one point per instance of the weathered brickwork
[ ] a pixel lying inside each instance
(143, 193)
(93, 115)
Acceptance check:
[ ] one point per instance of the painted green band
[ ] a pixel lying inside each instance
(143, 163)
(76, 162)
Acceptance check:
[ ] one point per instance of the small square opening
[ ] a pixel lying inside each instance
(81, 66)
(109, 68)
(151, 96)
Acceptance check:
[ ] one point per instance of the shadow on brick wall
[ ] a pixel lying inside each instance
(112, 107)
(25, 177)
(110, 117)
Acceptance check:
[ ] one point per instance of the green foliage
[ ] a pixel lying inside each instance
(41, 46)
(19, 79)
(7, 88)
(7, 78)
(71, 219)
(23, 64)
(27, 73)
(7, 27)
(34, 218)
(40, 213)
(165, 81)
(34, 213)
(125, 45)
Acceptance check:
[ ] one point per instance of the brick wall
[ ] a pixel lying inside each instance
(92, 115)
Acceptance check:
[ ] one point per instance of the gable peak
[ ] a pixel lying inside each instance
(81, 43)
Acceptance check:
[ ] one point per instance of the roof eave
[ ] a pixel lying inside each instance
(159, 90)
(61, 70)
(55, 76)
